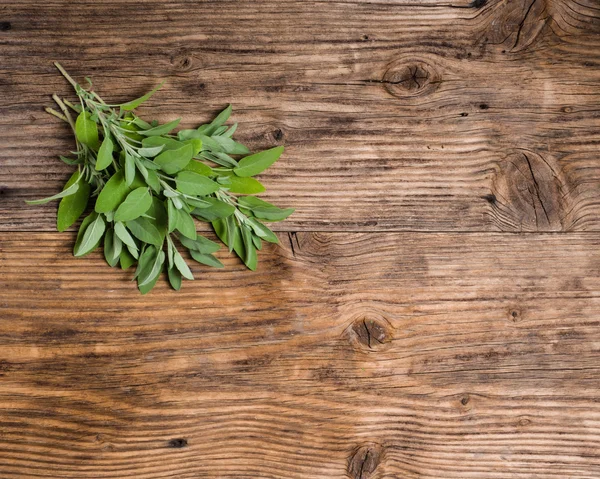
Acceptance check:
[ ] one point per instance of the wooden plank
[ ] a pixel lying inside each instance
(430, 115)
(345, 355)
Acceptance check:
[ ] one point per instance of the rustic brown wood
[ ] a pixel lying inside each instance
(421, 318)
(396, 115)
(484, 361)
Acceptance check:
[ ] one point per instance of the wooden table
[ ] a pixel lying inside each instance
(433, 309)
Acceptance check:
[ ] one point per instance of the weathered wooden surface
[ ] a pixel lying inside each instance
(439, 355)
(461, 343)
(396, 115)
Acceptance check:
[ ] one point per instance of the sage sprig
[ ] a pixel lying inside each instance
(147, 184)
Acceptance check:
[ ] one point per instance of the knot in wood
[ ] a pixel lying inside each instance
(276, 136)
(177, 443)
(410, 77)
(182, 61)
(371, 333)
(520, 25)
(364, 460)
(514, 315)
(531, 194)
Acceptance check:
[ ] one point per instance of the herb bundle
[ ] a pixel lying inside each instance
(149, 183)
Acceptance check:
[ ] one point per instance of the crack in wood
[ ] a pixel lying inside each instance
(522, 22)
(291, 236)
(537, 190)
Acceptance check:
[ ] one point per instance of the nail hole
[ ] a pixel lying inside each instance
(484, 106)
(5, 26)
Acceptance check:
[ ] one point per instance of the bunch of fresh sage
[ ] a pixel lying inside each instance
(147, 185)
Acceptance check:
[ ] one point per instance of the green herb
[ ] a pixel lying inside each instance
(145, 185)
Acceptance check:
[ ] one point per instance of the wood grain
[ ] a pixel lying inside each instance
(395, 115)
(433, 309)
(454, 357)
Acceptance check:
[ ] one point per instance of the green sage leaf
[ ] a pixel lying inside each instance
(173, 216)
(112, 195)
(219, 131)
(108, 248)
(145, 260)
(218, 209)
(158, 215)
(129, 169)
(124, 235)
(250, 259)
(130, 105)
(133, 252)
(230, 131)
(145, 289)
(70, 190)
(161, 129)
(262, 231)
(172, 161)
(209, 143)
(186, 225)
(126, 259)
(199, 167)
(105, 152)
(153, 181)
(151, 151)
(239, 149)
(83, 226)
(71, 207)
(70, 161)
(149, 274)
(131, 131)
(222, 117)
(264, 210)
(117, 247)
(136, 204)
(200, 244)
(245, 186)
(257, 242)
(149, 165)
(177, 202)
(112, 248)
(174, 278)
(142, 124)
(258, 162)
(227, 144)
(197, 203)
(182, 266)
(145, 231)
(91, 237)
(229, 233)
(188, 134)
(207, 259)
(165, 143)
(86, 130)
(194, 184)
